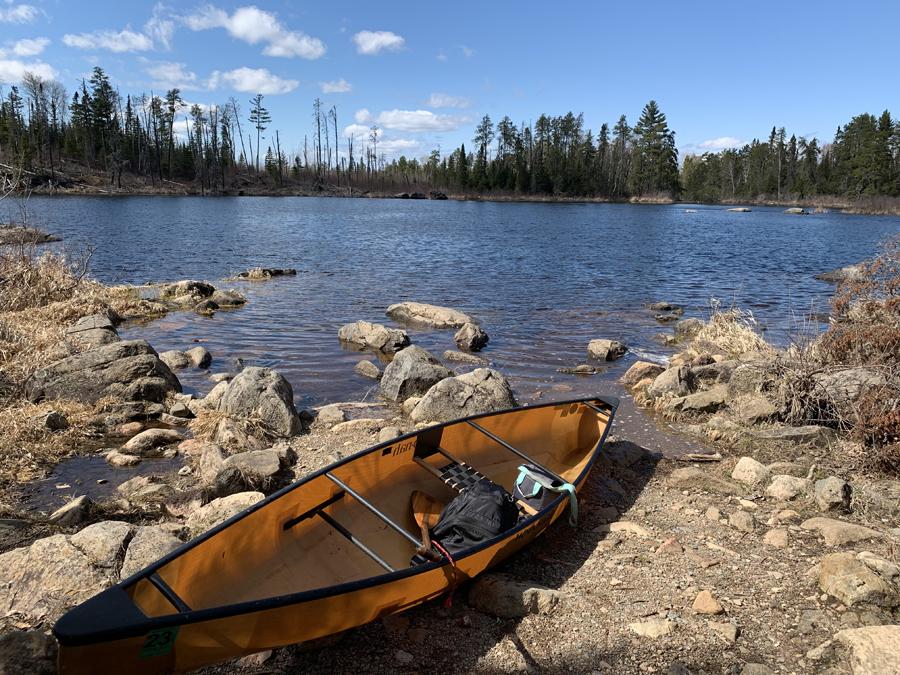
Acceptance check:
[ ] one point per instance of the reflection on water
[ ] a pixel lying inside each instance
(542, 279)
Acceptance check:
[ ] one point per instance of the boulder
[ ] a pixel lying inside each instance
(374, 336)
(175, 359)
(129, 370)
(752, 409)
(207, 307)
(147, 441)
(28, 653)
(149, 544)
(257, 467)
(463, 357)
(719, 372)
(368, 371)
(427, 316)
(679, 381)
(220, 510)
(853, 583)
(331, 414)
(750, 472)
(470, 338)
(796, 211)
(118, 460)
(482, 390)
(702, 402)
(841, 274)
(887, 570)
(639, 371)
(94, 331)
(19, 235)
(72, 513)
(785, 488)
(104, 543)
(260, 273)
(691, 478)
(747, 380)
(263, 393)
(832, 494)
(211, 462)
(388, 434)
(505, 597)
(228, 298)
(606, 350)
(687, 328)
(199, 357)
(843, 388)
(189, 287)
(874, 650)
(412, 372)
(838, 533)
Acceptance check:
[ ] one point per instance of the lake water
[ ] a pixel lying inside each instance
(542, 279)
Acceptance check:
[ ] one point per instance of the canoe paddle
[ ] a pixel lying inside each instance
(427, 512)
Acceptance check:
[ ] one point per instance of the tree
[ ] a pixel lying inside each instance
(259, 118)
(174, 104)
(655, 166)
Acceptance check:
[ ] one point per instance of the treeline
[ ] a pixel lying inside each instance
(862, 160)
(159, 139)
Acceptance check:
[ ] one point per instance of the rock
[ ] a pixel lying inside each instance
(743, 521)
(331, 414)
(220, 510)
(661, 307)
(436, 194)
(412, 372)
(584, 369)
(51, 420)
(374, 336)
(211, 462)
(678, 381)
(157, 492)
(388, 434)
(256, 659)
(739, 210)
(404, 658)
(72, 513)
(853, 583)
(230, 298)
(149, 440)
(427, 316)
(28, 653)
(776, 539)
(715, 373)
(199, 357)
(832, 494)
(117, 460)
(812, 435)
(129, 371)
(653, 629)
(789, 469)
(221, 377)
(368, 370)
(261, 273)
(257, 467)
(785, 488)
(606, 350)
(19, 235)
(620, 453)
(104, 543)
(818, 653)
(150, 543)
(191, 287)
(691, 478)
(875, 650)
(501, 595)
(366, 425)
(687, 328)
(748, 380)
(796, 211)
(756, 669)
(843, 388)
(45, 580)
(702, 402)
(175, 360)
(410, 404)
(885, 568)
(462, 357)
(727, 631)
(639, 371)
(206, 307)
(750, 472)
(263, 393)
(483, 390)
(705, 603)
(752, 409)
(470, 338)
(841, 274)
(229, 481)
(94, 331)
(418, 636)
(838, 533)
(702, 360)
(670, 547)
(713, 514)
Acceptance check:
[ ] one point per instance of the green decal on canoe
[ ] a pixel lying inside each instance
(159, 642)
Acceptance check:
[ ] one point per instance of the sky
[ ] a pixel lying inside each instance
(426, 74)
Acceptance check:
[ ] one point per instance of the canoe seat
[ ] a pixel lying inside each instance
(460, 476)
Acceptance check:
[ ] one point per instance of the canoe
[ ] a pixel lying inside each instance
(333, 550)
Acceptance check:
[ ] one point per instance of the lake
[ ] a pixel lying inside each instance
(542, 279)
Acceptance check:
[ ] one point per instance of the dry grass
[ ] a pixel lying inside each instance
(734, 330)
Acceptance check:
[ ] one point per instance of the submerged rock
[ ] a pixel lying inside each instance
(428, 316)
(470, 338)
(374, 336)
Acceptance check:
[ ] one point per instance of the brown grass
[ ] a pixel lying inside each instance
(734, 330)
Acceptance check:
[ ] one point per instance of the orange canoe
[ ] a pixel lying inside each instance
(331, 551)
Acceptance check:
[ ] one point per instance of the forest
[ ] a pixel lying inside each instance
(159, 141)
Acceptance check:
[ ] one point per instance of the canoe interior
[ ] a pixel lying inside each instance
(256, 557)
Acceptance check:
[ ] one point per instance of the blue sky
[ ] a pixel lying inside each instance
(426, 73)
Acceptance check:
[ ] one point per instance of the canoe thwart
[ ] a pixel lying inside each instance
(349, 535)
(515, 451)
(168, 593)
(336, 497)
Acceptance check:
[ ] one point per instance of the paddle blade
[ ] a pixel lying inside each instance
(426, 509)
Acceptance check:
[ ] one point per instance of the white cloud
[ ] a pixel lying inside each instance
(395, 147)
(441, 57)
(253, 25)
(722, 143)
(467, 51)
(362, 116)
(169, 74)
(340, 86)
(413, 121)
(160, 29)
(125, 41)
(19, 14)
(448, 101)
(252, 81)
(355, 130)
(371, 43)
(14, 70)
(26, 48)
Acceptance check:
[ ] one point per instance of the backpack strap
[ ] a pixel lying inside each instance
(542, 481)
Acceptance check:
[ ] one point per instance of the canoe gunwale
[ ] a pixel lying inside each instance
(69, 628)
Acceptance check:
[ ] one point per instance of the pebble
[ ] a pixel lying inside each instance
(705, 603)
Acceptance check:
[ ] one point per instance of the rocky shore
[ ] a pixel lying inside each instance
(775, 553)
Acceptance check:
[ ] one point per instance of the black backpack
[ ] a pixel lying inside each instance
(475, 515)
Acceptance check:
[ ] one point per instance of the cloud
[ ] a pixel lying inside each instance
(413, 121)
(258, 81)
(441, 57)
(169, 74)
(371, 43)
(399, 146)
(362, 116)
(340, 86)
(19, 14)
(160, 29)
(449, 101)
(125, 41)
(14, 70)
(253, 25)
(518, 93)
(467, 51)
(30, 47)
(355, 130)
(722, 143)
